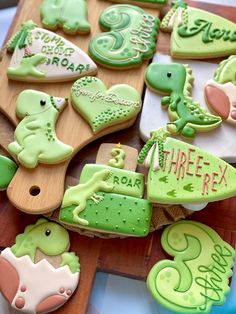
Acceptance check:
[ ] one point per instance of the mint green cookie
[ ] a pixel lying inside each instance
(102, 107)
(7, 171)
(130, 37)
(198, 277)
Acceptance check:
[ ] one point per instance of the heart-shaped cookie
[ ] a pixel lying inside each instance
(102, 108)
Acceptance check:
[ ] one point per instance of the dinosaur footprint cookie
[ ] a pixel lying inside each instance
(42, 56)
(35, 137)
(220, 92)
(38, 274)
(186, 115)
(71, 16)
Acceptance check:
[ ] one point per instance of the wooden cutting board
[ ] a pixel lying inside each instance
(40, 190)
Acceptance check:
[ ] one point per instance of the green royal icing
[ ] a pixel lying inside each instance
(124, 182)
(188, 174)
(118, 160)
(8, 169)
(102, 108)
(130, 38)
(114, 213)
(186, 116)
(226, 71)
(200, 34)
(198, 277)
(71, 15)
(35, 137)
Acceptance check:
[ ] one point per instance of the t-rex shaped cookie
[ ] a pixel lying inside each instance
(80, 193)
(35, 137)
(186, 115)
(71, 15)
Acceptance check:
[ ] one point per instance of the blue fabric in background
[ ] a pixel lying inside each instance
(6, 17)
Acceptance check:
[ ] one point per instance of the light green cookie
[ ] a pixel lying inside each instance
(181, 173)
(198, 34)
(186, 115)
(70, 15)
(130, 37)
(7, 171)
(198, 277)
(102, 108)
(35, 136)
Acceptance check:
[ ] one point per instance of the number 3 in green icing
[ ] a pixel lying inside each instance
(130, 38)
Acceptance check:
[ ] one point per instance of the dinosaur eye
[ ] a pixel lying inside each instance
(47, 232)
(42, 102)
(168, 74)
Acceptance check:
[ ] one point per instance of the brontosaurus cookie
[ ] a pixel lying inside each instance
(42, 56)
(129, 39)
(220, 92)
(102, 107)
(8, 169)
(35, 136)
(70, 15)
(198, 277)
(186, 115)
(198, 34)
(38, 274)
(108, 199)
(181, 173)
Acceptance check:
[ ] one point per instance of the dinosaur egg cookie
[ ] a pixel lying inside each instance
(108, 199)
(42, 56)
(35, 136)
(38, 274)
(186, 115)
(220, 92)
(198, 34)
(198, 276)
(129, 39)
(181, 173)
(71, 16)
(102, 107)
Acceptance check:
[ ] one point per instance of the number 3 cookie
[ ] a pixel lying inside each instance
(37, 274)
(130, 38)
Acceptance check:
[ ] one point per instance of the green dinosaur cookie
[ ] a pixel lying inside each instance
(144, 3)
(198, 277)
(182, 173)
(198, 34)
(7, 171)
(37, 274)
(130, 37)
(186, 115)
(102, 108)
(35, 137)
(71, 15)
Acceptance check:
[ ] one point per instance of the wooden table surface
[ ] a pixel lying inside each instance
(131, 257)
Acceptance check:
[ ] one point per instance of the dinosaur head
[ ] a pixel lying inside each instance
(166, 78)
(103, 176)
(32, 102)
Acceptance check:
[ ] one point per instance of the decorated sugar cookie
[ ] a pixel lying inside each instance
(198, 277)
(71, 16)
(7, 171)
(35, 137)
(220, 93)
(182, 173)
(38, 274)
(198, 34)
(42, 56)
(130, 37)
(102, 107)
(186, 115)
(108, 199)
